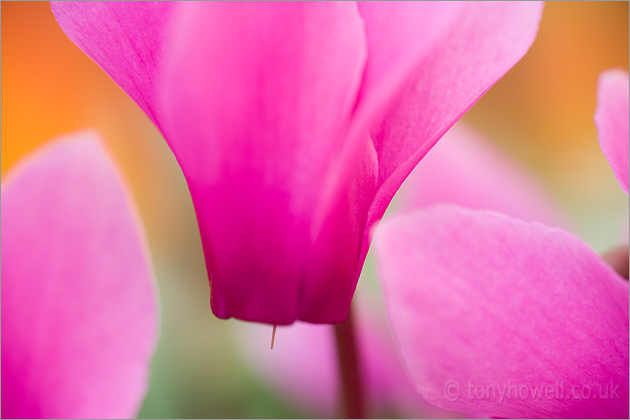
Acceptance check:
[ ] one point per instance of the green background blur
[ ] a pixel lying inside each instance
(541, 114)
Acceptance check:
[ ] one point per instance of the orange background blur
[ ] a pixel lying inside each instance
(541, 113)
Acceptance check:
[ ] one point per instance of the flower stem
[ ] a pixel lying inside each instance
(617, 258)
(352, 386)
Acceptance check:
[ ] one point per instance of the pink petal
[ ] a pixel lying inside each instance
(258, 98)
(125, 39)
(483, 43)
(464, 168)
(78, 301)
(481, 303)
(611, 118)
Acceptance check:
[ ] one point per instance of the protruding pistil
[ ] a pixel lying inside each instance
(273, 336)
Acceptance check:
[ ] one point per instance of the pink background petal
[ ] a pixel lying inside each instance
(477, 299)
(303, 366)
(611, 118)
(78, 301)
(466, 169)
(125, 39)
(483, 43)
(258, 99)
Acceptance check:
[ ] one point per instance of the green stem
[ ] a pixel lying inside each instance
(352, 386)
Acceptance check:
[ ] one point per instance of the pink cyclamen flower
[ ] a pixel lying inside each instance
(78, 300)
(499, 316)
(462, 168)
(295, 123)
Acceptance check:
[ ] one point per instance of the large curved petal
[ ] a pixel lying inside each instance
(258, 98)
(78, 301)
(498, 316)
(125, 39)
(611, 118)
(464, 168)
(484, 42)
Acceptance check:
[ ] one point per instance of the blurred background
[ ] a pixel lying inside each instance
(540, 114)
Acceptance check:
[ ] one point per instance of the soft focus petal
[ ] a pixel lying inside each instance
(78, 302)
(258, 98)
(498, 316)
(464, 168)
(302, 367)
(309, 351)
(125, 39)
(611, 118)
(483, 43)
